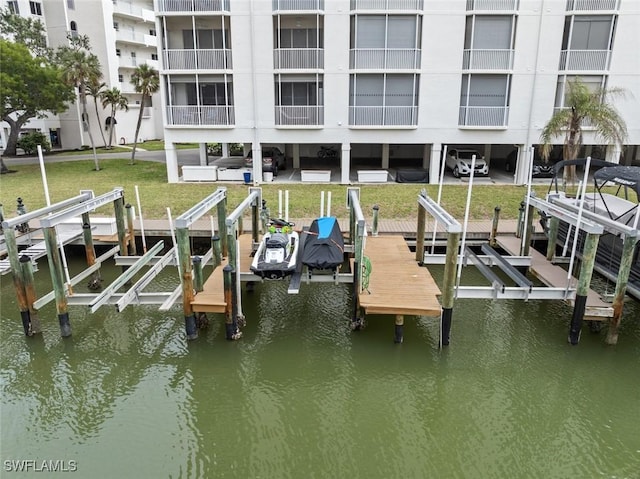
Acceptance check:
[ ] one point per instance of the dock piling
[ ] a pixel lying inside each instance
(216, 259)
(448, 290)
(586, 271)
(132, 236)
(626, 261)
(185, 268)
(494, 226)
(90, 252)
(30, 296)
(197, 274)
(374, 228)
(422, 221)
(399, 329)
(57, 279)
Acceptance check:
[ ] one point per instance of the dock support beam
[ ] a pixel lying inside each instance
(221, 208)
(30, 296)
(422, 221)
(586, 271)
(399, 330)
(626, 261)
(216, 258)
(184, 266)
(57, 279)
(494, 227)
(197, 274)
(232, 331)
(448, 292)
(18, 279)
(528, 231)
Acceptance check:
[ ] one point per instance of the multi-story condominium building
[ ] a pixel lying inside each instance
(390, 82)
(123, 35)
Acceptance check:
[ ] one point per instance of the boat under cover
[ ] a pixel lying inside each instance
(324, 244)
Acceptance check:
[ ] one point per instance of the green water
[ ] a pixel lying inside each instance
(302, 396)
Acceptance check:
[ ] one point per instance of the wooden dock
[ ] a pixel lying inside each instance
(397, 284)
(211, 298)
(555, 276)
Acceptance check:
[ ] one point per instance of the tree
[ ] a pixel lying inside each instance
(117, 101)
(30, 87)
(146, 81)
(95, 89)
(27, 31)
(583, 107)
(80, 68)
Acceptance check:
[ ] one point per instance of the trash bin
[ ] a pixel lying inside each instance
(247, 177)
(268, 176)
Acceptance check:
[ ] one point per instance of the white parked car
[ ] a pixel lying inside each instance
(459, 162)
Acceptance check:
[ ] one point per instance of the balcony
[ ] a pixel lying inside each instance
(298, 58)
(384, 58)
(410, 5)
(484, 116)
(131, 37)
(184, 6)
(383, 115)
(584, 60)
(591, 5)
(487, 59)
(299, 115)
(132, 62)
(297, 5)
(489, 5)
(219, 59)
(200, 115)
(127, 87)
(127, 9)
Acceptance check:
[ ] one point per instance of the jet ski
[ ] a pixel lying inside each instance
(277, 253)
(324, 245)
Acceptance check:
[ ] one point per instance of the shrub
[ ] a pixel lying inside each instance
(29, 142)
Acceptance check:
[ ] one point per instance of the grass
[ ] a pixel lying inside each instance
(158, 145)
(88, 151)
(396, 201)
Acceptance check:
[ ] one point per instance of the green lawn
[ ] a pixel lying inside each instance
(88, 151)
(397, 201)
(158, 145)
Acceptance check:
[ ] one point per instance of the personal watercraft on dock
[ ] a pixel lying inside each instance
(277, 253)
(324, 245)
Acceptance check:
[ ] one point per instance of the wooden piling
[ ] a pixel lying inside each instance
(449, 286)
(18, 280)
(197, 274)
(118, 208)
(57, 279)
(584, 281)
(89, 249)
(399, 329)
(255, 222)
(184, 260)
(231, 309)
(554, 226)
(422, 221)
(221, 208)
(520, 221)
(374, 228)
(626, 261)
(131, 232)
(216, 258)
(528, 231)
(30, 295)
(494, 226)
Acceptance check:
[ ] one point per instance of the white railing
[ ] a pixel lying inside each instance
(127, 8)
(384, 58)
(584, 59)
(299, 115)
(200, 115)
(192, 5)
(586, 122)
(146, 112)
(387, 4)
(127, 87)
(284, 58)
(128, 62)
(487, 59)
(128, 36)
(301, 5)
(507, 5)
(483, 116)
(590, 5)
(197, 59)
(383, 115)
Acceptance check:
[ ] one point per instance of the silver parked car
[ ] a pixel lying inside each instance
(459, 162)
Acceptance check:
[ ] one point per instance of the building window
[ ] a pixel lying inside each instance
(73, 27)
(116, 26)
(383, 99)
(592, 82)
(121, 78)
(298, 93)
(36, 8)
(13, 7)
(588, 32)
(205, 39)
(484, 100)
(154, 56)
(489, 42)
(71, 4)
(300, 38)
(152, 32)
(118, 52)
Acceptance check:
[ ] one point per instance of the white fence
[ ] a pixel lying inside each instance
(383, 115)
(483, 116)
(584, 59)
(200, 59)
(299, 58)
(299, 115)
(200, 115)
(487, 59)
(299, 5)
(192, 5)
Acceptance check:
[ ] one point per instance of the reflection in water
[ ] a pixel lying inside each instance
(301, 395)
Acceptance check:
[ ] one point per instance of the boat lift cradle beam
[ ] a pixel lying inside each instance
(194, 213)
(439, 213)
(84, 207)
(520, 279)
(84, 195)
(588, 225)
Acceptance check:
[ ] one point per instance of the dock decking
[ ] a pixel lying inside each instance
(555, 276)
(397, 284)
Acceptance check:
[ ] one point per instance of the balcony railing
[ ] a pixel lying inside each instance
(303, 58)
(383, 115)
(127, 87)
(584, 59)
(299, 5)
(590, 5)
(507, 5)
(130, 37)
(192, 5)
(127, 8)
(487, 59)
(387, 4)
(299, 115)
(200, 115)
(146, 112)
(197, 59)
(384, 58)
(483, 116)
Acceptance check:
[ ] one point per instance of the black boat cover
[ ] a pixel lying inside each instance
(324, 245)
(628, 176)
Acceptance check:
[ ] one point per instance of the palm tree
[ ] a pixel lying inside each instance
(80, 68)
(95, 89)
(146, 81)
(117, 101)
(583, 107)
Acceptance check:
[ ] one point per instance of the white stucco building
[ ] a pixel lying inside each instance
(389, 81)
(123, 35)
